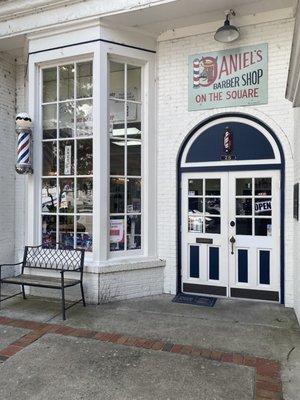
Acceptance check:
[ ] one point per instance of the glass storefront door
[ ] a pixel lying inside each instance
(230, 234)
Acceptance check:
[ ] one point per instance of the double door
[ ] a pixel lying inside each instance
(230, 234)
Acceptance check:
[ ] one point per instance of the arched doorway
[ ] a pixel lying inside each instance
(231, 210)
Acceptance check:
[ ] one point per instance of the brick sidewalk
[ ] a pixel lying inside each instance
(267, 377)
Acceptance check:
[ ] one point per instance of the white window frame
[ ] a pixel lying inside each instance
(125, 252)
(99, 53)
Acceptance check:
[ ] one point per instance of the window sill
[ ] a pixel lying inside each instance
(111, 266)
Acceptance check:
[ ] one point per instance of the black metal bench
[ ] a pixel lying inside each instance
(39, 258)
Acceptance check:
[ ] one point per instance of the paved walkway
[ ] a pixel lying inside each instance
(149, 348)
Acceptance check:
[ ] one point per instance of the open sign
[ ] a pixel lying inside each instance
(263, 206)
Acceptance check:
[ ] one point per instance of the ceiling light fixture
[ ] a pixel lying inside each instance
(227, 33)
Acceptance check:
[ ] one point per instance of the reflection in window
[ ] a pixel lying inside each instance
(67, 183)
(125, 138)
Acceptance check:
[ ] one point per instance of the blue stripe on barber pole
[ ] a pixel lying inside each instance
(194, 261)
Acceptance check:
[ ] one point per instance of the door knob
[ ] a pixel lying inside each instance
(232, 241)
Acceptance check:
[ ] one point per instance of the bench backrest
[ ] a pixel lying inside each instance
(59, 259)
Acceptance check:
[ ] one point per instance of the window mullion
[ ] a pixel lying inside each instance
(125, 156)
(57, 155)
(75, 156)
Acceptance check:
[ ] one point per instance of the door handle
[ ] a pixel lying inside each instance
(232, 241)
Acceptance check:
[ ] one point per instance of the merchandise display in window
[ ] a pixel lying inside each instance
(67, 170)
(125, 139)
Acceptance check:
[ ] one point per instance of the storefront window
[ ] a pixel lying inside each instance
(67, 155)
(125, 135)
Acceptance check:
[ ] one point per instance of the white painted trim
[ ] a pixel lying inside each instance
(225, 119)
(254, 19)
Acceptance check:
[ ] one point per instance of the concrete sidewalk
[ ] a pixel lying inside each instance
(247, 328)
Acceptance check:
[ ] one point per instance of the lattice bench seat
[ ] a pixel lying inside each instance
(38, 258)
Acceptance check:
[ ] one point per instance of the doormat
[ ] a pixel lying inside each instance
(194, 300)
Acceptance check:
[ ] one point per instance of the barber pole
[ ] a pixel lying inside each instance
(228, 141)
(23, 129)
(196, 72)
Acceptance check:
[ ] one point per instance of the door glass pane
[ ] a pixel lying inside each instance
(212, 187)
(195, 187)
(263, 227)
(196, 223)
(66, 82)
(49, 85)
(66, 120)
(212, 225)
(263, 186)
(49, 195)
(66, 157)
(84, 196)
(116, 80)
(195, 205)
(133, 83)
(116, 233)
(244, 226)
(212, 206)
(243, 206)
(244, 187)
(84, 235)
(117, 200)
(49, 158)
(133, 232)
(49, 121)
(84, 118)
(84, 79)
(49, 231)
(133, 195)
(66, 195)
(84, 157)
(263, 206)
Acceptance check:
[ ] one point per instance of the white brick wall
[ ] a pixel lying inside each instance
(7, 157)
(174, 123)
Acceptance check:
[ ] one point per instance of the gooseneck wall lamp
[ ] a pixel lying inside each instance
(227, 33)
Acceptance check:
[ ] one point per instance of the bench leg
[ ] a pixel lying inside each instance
(63, 303)
(82, 294)
(23, 292)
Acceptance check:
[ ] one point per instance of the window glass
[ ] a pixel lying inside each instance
(49, 158)
(212, 187)
(49, 112)
(49, 85)
(116, 233)
(244, 187)
(125, 137)
(84, 79)
(66, 82)
(49, 195)
(133, 83)
(66, 127)
(67, 184)
(117, 80)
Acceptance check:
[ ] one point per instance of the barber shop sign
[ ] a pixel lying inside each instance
(228, 78)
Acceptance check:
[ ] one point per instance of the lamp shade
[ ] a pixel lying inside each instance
(227, 33)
